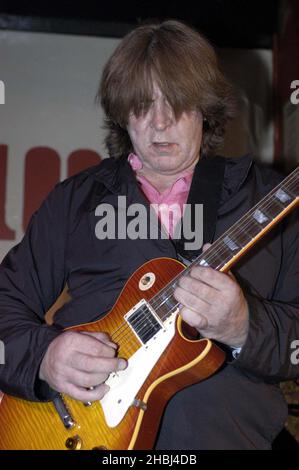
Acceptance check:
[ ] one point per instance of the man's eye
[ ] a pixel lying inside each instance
(145, 106)
(147, 103)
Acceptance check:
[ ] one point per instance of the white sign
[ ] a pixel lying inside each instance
(50, 83)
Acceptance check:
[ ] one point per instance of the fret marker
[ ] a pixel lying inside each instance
(230, 243)
(260, 217)
(282, 196)
(203, 262)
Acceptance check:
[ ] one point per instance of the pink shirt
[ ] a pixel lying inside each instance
(169, 204)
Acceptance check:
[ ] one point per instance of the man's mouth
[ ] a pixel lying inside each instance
(163, 146)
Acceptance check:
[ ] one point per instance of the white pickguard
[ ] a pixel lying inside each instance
(124, 385)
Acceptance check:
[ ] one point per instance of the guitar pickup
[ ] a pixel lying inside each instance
(143, 321)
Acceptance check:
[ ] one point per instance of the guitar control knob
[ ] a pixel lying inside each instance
(73, 443)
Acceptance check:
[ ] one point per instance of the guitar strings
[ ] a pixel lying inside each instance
(215, 253)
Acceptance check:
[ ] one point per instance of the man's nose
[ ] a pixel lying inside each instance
(162, 116)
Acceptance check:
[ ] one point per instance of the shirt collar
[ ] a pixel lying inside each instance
(136, 164)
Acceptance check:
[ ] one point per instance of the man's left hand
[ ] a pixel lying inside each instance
(214, 304)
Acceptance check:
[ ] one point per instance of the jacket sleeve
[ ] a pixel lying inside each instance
(32, 275)
(270, 348)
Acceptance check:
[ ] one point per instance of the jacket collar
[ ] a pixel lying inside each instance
(116, 175)
(236, 172)
(113, 174)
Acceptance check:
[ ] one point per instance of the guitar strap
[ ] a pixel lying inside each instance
(206, 188)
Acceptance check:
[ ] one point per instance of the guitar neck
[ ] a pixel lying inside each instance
(259, 220)
(239, 238)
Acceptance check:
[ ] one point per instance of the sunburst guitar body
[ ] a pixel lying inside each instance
(163, 358)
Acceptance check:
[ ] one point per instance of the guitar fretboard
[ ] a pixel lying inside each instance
(236, 241)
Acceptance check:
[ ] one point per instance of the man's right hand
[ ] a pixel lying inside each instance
(76, 361)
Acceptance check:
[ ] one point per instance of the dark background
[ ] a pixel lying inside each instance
(228, 23)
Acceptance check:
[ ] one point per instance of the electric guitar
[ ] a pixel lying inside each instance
(163, 354)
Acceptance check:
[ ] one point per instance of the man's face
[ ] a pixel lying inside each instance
(165, 145)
